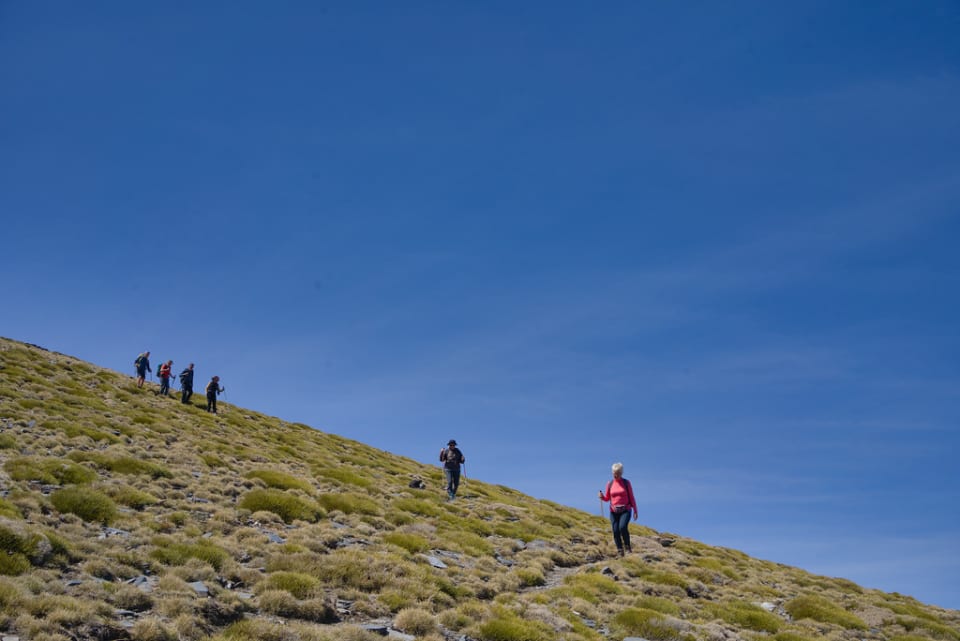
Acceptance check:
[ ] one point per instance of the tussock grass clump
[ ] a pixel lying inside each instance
(820, 609)
(409, 542)
(89, 504)
(658, 604)
(7, 442)
(415, 621)
(507, 626)
(152, 629)
(648, 624)
(590, 586)
(417, 506)
(131, 497)
(746, 615)
(288, 507)
(935, 629)
(343, 475)
(791, 636)
(123, 464)
(9, 510)
(349, 504)
(48, 470)
(170, 552)
(280, 480)
(298, 584)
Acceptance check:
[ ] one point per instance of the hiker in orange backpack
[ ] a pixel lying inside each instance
(620, 495)
(164, 372)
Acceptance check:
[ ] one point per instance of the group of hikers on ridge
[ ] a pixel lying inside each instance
(618, 492)
(165, 373)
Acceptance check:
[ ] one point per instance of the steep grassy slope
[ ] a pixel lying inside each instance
(130, 516)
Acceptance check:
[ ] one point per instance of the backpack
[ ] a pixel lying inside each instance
(139, 362)
(451, 457)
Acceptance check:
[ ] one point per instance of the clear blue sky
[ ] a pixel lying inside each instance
(714, 242)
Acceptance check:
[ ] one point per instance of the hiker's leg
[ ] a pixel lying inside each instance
(615, 526)
(448, 477)
(455, 478)
(625, 529)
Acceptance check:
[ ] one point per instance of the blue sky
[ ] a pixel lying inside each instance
(716, 243)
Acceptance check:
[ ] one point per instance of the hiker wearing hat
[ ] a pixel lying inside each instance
(620, 494)
(164, 372)
(142, 363)
(452, 458)
(213, 388)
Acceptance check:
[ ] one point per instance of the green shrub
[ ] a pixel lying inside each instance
(280, 480)
(658, 604)
(13, 564)
(648, 624)
(10, 596)
(344, 475)
(296, 583)
(530, 577)
(9, 510)
(348, 504)
(746, 615)
(591, 586)
(933, 628)
(212, 460)
(820, 609)
(53, 471)
(175, 553)
(7, 442)
(87, 503)
(123, 464)
(513, 628)
(410, 542)
(417, 506)
(131, 497)
(791, 636)
(287, 506)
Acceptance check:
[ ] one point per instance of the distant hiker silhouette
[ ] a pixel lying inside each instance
(164, 372)
(213, 388)
(186, 384)
(142, 363)
(620, 495)
(452, 458)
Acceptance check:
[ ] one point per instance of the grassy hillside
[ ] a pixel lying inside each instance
(125, 515)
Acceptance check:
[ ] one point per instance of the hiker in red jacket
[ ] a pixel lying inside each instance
(164, 372)
(620, 495)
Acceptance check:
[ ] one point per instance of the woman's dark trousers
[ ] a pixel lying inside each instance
(620, 522)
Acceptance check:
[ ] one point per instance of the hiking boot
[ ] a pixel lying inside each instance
(619, 551)
(629, 550)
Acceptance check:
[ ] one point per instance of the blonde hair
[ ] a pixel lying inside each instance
(617, 468)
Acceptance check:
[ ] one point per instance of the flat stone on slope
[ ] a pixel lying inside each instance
(435, 562)
(200, 588)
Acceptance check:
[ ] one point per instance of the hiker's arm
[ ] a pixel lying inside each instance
(633, 501)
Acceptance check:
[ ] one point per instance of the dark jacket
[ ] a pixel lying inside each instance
(451, 457)
(186, 378)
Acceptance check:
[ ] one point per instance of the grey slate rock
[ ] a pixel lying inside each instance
(376, 628)
(435, 562)
(200, 588)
